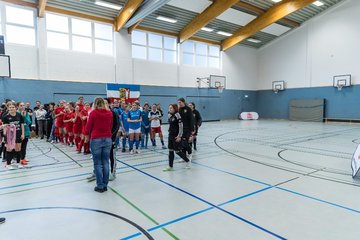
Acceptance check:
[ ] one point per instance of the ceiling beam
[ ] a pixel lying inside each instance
(133, 27)
(77, 14)
(271, 16)
(41, 8)
(260, 11)
(126, 13)
(145, 10)
(21, 3)
(148, 29)
(201, 20)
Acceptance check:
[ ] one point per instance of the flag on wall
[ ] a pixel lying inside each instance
(125, 92)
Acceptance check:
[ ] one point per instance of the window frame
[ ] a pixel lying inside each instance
(197, 55)
(163, 49)
(4, 24)
(93, 38)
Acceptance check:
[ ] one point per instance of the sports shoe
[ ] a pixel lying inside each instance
(132, 151)
(23, 162)
(91, 177)
(137, 151)
(99, 190)
(10, 167)
(112, 177)
(189, 156)
(163, 147)
(19, 166)
(123, 150)
(2, 220)
(168, 169)
(188, 165)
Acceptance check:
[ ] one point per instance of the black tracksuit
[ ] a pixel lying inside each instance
(175, 130)
(115, 129)
(189, 125)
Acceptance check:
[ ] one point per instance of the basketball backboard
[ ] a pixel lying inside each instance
(278, 86)
(341, 81)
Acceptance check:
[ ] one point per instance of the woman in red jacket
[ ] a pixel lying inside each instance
(99, 126)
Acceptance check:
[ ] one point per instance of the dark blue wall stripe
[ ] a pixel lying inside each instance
(211, 104)
(339, 104)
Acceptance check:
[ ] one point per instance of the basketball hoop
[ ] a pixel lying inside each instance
(220, 89)
(276, 91)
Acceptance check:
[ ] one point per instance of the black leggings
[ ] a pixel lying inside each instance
(11, 155)
(112, 160)
(172, 157)
(186, 147)
(23, 148)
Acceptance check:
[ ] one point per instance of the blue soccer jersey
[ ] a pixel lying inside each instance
(124, 119)
(134, 115)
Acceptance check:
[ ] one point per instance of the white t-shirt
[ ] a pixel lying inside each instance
(155, 122)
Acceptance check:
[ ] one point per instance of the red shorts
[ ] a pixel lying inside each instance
(60, 124)
(156, 130)
(69, 127)
(77, 129)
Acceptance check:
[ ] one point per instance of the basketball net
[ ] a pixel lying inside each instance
(220, 89)
(340, 86)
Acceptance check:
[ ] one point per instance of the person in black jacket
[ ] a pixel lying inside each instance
(115, 129)
(198, 122)
(189, 126)
(175, 137)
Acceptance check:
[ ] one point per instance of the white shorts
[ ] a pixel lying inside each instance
(134, 130)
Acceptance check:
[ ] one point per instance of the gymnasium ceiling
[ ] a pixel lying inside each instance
(230, 21)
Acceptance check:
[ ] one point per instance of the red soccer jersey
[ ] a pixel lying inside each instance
(60, 118)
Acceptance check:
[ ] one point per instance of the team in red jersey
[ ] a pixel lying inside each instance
(70, 122)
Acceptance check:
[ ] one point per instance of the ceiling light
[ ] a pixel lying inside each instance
(276, 1)
(166, 19)
(207, 29)
(224, 33)
(253, 40)
(108, 5)
(318, 3)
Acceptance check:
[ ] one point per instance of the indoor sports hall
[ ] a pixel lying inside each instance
(179, 119)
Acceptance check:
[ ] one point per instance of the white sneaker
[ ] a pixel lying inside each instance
(112, 177)
(137, 151)
(19, 166)
(189, 156)
(168, 169)
(9, 167)
(132, 152)
(52, 141)
(163, 147)
(188, 165)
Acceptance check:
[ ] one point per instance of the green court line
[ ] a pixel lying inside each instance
(143, 213)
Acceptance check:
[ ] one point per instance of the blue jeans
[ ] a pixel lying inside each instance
(100, 149)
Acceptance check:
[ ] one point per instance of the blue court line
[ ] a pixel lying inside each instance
(280, 188)
(73, 176)
(205, 201)
(196, 213)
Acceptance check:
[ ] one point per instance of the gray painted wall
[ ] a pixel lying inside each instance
(211, 104)
(339, 104)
